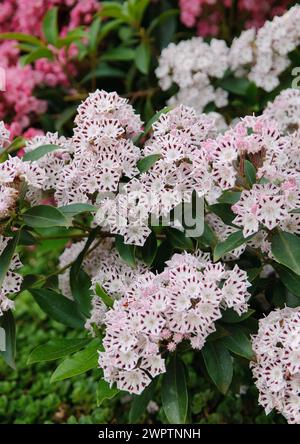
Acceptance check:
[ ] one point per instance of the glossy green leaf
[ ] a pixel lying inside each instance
(80, 282)
(149, 249)
(39, 53)
(79, 363)
(232, 317)
(250, 172)
(21, 38)
(143, 58)
(232, 242)
(126, 252)
(286, 250)
(39, 152)
(239, 343)
(119, 54)
(108, 301)
(224, 211)
(104, 391)
(147, 162)
(174, 392)
(230, 197)
(179, 240)
(289, 279)
(50, 26)
(218, 363)
(56, 349)
(45, 216)
(58, 307)
(235, 85)
(74, 209)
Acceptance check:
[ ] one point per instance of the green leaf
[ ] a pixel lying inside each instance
(165, 16)
(232, 242)
(74, 209)
(104, 391)
(126, 252)
(56, 349)
(7, 322)
(79, 363)
(147, 162)
(7, 255)
(143, 58)
(290, 280)
(75, 35)
(232, 317)
(39, 152)
(218, 363)
(253, 273)
(50, 26)
(230, 197)
(223, 211)
(163, 27)
(119, 54)
(174, 392)
(140, 403)
(178, 239)
(112, 9)
(81, 291)
(234, 85)
(286, 250)
(21, 38)
(58, 307)
(39, 53)
(208, 238)
(149, 249)
(45, 216)
(250, 172)
(80, 281)
(106, 28)
(104, 70)
(93, 34)
(108, 301)
(239, 343)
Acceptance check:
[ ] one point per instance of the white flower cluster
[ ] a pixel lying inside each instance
(91, 263)
(261, 56)
(192, 65)
(157, 312)
(285, 110)
(13, 172)
(180, 169)
(266, 52)
(277, 366)
(52, 163)
(12, 281)
(103, 148)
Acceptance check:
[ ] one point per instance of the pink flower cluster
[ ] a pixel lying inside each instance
(157, 312)
(18, 105)
(208, 15)
(277, 365)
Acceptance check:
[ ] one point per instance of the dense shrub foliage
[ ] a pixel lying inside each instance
(149, 205)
